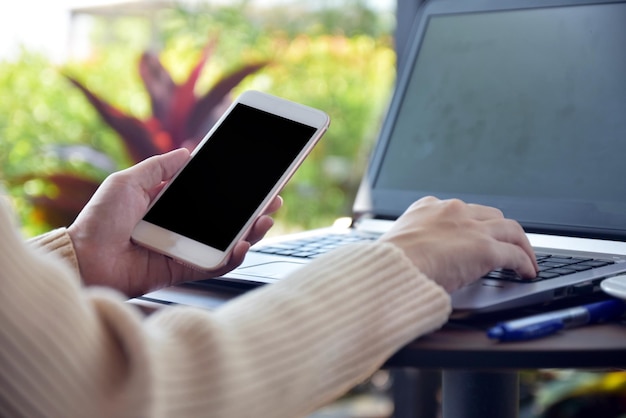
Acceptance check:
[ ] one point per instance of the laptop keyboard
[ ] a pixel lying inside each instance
(550, 266)
(314, 246)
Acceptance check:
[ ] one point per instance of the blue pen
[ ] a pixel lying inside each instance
(551, 322)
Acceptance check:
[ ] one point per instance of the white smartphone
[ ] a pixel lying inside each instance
(231, 177)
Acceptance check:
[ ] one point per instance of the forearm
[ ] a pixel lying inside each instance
(281, 351)
(291, 347)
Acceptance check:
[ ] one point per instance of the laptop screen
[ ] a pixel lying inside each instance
(518, 107)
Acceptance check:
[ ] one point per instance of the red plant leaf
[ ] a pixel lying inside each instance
(189, 85)
(159, 85)
(137, 136)
(201, 118)
(184, 97)
(160, 137)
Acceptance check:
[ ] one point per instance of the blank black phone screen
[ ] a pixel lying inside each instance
(227, 179)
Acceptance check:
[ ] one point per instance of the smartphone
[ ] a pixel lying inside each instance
(233, 174)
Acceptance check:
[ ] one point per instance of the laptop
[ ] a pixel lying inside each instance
(517, 104)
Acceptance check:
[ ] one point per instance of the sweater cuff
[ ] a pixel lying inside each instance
(58, 243)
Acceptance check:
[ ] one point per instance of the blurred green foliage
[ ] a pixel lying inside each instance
(349, 74)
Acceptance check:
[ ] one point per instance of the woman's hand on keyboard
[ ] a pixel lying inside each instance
(455, 243)
(101, 232)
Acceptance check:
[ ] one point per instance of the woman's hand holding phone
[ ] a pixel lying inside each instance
(101, 232)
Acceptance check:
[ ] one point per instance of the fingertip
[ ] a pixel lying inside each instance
(241, 248)
(181, 151)
(262, 225)
(172, 161)
(239, 252)
(276, 204)
(532, 271)
(177, 155)
(266, 222)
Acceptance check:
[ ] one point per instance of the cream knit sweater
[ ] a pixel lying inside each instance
(283, 350)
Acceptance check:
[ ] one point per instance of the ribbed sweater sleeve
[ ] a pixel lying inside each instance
(59, 243)
(283, 350)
